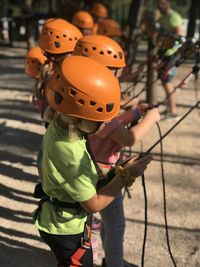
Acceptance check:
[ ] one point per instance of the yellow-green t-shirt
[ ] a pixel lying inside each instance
(170, 21)
(69, 175)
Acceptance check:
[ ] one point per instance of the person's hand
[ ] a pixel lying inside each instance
(152, 114)
(136, 167)
(143, 108)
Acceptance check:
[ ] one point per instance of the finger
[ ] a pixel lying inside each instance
(145, 158)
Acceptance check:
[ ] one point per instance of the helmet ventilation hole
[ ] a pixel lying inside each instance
(92, 103)
(109, 52)
(81, 101)
(94, 48)
(58, 98)
(120, 54)
(101, 53)
(72, 92)
(100, 110)
(57, 44)
(115, 56)
(109, 107)
(64, 35)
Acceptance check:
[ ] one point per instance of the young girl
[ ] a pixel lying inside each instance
(69, 176)
(108, 142)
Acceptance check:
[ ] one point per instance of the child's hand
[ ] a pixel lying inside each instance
(153, 114)
(137, 166)
(143, 108)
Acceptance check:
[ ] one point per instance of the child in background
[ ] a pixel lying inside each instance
(35, 59)
(84, 21)
(108, 142)
(169, 20)
(99, 13)
(69, 176)
(58, 39)
(110, 28)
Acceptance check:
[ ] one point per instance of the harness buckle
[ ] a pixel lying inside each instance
(85, 244)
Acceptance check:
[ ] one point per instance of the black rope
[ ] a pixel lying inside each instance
(145, 220)
(164, 196)
(174, 126)
(170, 130)
(196, 79)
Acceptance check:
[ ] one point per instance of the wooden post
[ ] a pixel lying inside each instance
(134, 19)
(151, 75)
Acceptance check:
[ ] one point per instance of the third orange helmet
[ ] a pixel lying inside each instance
(102, 49)
(59, 36)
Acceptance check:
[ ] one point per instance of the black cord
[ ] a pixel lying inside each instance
(196, 79)
(145, 220)
(164, 196)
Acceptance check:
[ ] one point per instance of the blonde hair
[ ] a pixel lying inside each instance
(69, 123)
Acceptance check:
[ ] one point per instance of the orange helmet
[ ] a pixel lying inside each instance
(93, 93)
(34, 60)
(58, 36)
(99, 10)
(83, 20)
(109, 27)
(102, 49)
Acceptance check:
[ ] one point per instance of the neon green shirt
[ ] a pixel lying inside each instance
(170, 21)
(68, 174)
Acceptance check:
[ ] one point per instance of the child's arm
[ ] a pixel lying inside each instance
(106, 194)
(129, 137)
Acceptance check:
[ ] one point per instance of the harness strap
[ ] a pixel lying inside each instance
(39, 193)
(85, 243)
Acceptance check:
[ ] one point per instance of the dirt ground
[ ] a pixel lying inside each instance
(21, 133)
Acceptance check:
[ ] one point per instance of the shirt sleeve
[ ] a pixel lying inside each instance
(175, 20)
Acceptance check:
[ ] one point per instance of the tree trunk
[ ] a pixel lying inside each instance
(29, 23)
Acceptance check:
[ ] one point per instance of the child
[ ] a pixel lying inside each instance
(108, 142)
(169, 20)
(84, 21)
(35, 59)
(69, 176)
(99, 13)
(110, 28)
(57, 39)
